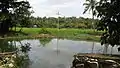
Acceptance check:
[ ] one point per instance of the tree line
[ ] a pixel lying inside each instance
(63, 22)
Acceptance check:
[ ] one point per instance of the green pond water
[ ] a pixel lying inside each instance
(53, 53)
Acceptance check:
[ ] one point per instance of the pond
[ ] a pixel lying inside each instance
(53, 53)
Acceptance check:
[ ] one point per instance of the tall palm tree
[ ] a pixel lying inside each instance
(90, 5)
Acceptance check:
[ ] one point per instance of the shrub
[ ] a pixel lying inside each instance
(44, 31)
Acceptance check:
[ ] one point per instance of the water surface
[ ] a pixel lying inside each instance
(50, 54)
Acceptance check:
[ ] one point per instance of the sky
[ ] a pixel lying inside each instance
(66, 8)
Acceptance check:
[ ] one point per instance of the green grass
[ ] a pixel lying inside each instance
(31, 31)
(82, 34)
(64, 31)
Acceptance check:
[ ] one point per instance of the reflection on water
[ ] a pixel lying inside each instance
(6, 46)
(44, 41)
(12, 55)
(46, 54)
(53, 56)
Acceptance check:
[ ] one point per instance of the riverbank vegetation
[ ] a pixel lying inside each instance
(70, 33)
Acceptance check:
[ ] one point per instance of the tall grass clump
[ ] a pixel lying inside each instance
(44, 31)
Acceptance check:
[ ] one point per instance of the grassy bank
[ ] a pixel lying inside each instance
(80, 34)
(61, 31)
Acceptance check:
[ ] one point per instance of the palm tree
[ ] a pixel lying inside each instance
(91, 5)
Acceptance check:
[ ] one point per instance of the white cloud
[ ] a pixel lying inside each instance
(57, 2)
(65, 7)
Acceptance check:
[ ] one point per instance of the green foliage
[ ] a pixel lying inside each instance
(90, 5)
(44, 31)
(12, 13)
(64, 22)
(6, 46)
(70, 33)
(109, 14)
(14, 56)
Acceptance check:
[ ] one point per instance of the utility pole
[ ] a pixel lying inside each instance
(58, 13)
(58, 26)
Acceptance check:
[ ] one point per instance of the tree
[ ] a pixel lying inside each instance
(65, 22)
(11, 13)
(90, 5)
(22, 14)
(109, 14)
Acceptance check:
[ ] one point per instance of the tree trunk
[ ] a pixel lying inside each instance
(111, 50)
(93, 47)
(4, 28)
(105, 48)
(20, 29)
(94, 31)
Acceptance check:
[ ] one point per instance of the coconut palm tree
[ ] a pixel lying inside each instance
(90, 5)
